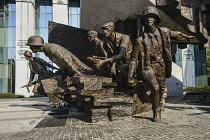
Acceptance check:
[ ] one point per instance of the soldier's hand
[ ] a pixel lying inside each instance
(94, 57)
(190, 37)
(100, 64)
(132, 82)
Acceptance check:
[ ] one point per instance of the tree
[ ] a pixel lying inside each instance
(208, 63)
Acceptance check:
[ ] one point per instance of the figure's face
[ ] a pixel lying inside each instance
(150, 20)
(35, 49)
(28, 58)
(91, 37)
(107, 31)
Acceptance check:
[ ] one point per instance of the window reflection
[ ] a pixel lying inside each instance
(44, 14)
(74, 13)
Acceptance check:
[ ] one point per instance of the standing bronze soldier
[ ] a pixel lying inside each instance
(153, 56)
(64, 59)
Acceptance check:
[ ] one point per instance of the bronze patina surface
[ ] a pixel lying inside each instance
(152, 57)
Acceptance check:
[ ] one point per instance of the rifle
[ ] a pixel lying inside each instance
(27, 86)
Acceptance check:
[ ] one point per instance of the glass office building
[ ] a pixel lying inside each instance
(20, 19)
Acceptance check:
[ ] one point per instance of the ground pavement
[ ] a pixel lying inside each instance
(180, 121)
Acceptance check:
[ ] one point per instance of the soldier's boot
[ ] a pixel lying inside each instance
(157, 115)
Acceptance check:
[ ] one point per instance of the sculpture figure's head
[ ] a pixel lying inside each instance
(108, 28)
(150, 16)
(92, 35)
(35, 43)
(28, 55)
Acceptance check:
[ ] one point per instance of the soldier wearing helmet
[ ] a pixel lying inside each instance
(64, 59)
(153, 54)
(118, 47)
(40, 67)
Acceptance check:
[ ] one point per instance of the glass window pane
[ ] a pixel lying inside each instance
(70, 20)
(48, 9)
(12, 7)
(42, 9)
(11, 53)
(48, 18)
(2, 36)
(1, 21)
(78, 11)
(11, 37)
(74, 20)
(12, 19)
(1, 85)
(43, 32)
(1, 55)
(73, 10)
(78, 24)
(42, 20)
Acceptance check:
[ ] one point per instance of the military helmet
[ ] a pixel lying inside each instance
(28, 54)
(35, 41)
(150, 10)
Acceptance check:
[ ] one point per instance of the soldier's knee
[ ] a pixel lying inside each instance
(156, 87)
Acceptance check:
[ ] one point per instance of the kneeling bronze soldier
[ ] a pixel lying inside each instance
(40, 67)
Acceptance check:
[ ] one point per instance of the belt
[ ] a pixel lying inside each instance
(156, 61)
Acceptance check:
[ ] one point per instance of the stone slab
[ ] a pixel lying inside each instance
(91, 82)
(113, 99)
(105, 91)
(121, 110)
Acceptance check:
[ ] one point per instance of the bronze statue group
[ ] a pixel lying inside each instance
(149, 60)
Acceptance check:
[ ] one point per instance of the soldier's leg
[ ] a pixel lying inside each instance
(154, 86)
(163, 92)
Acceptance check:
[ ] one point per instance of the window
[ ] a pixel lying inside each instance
(74, 13)
(1, 55)
(44, 14)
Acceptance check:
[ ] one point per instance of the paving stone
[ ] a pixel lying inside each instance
(179, 121)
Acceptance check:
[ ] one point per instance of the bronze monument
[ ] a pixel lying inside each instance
(38, 66)
(105, 95)
(151, 57)
(118, 48)
(64, 59)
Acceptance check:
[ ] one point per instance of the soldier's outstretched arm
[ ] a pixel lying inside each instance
(32, 74)
(180, 36)
(43, 62)
(123, 46)
(112, 59)
(63, 56)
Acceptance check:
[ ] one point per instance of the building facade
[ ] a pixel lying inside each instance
(20, 19)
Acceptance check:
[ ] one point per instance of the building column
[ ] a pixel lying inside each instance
(60, 11)
(25, 27)
(188, 66)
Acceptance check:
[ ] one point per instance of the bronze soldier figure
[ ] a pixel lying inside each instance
(152, 57)
(97, 44)
(38, 66)
(64, 59)
(118, 47)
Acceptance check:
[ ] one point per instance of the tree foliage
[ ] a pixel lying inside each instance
(208, 63)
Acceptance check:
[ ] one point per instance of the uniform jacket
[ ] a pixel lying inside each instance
(64, 59)
(138, 53)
